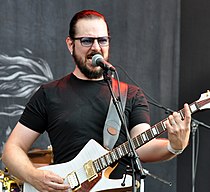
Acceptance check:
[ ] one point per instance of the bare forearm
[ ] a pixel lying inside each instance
(155, 151)
(18, 163)
(16, 159)
(165, 149)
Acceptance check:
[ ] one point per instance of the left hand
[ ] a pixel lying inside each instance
(178, 129)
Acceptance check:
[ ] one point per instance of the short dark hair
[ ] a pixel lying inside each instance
(85, 14)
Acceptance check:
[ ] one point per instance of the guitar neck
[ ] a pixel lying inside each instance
(138, 141)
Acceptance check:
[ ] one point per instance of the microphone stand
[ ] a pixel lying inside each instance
(158, 178)
(195, 123)
(137, 170)
(194, 129)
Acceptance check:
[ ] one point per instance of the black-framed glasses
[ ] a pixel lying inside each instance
(88, 41)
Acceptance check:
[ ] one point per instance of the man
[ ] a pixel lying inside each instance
(73, 110)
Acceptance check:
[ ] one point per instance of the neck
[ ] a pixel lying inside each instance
(81, 76)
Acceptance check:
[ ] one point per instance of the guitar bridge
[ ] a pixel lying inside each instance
(73, 181)
(90, 170)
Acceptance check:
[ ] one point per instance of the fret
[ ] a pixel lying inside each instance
(149, 134)
(123, 148)
(163, 123)
(103, 162)
(114, 157)
(119, 152)
(144, 136)
(99, 163)
(122, 151)
(160, 127)
(108, 159)
(137, 141)
(126, 147)
(154, 131)
(153, 135)
(140, 141)
(111, 157)
(96, 166)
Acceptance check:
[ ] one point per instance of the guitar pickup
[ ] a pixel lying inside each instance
(90, 170)
(73, 180)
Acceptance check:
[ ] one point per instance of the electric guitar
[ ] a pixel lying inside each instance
(90, 169)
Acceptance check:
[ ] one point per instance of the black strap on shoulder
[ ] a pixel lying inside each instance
(113, 123)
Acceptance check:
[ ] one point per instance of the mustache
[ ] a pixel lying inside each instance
(89, 56)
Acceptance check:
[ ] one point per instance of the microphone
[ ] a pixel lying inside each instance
(98, 60)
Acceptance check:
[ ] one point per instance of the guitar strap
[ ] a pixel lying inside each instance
(113, 123)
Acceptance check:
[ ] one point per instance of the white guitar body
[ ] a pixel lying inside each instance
(91, 151)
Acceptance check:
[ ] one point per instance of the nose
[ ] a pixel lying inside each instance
(95, 45)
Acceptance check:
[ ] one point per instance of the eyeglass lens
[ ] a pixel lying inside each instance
(88, 41)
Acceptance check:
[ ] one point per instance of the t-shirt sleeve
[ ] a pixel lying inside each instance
(139, 112)
(34, 115)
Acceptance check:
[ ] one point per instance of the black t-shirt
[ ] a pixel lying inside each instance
(73, 111)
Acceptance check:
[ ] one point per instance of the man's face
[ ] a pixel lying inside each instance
(83, 55)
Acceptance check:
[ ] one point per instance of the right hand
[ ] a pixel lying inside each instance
(47, 181)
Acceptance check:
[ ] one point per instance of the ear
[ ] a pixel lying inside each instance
(70, 43)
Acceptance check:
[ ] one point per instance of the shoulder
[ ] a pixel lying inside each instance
(50, 88)
(132, 90)
(57, 83)
(135, 91)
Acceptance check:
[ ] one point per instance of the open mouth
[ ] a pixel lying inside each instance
(89, 58)
(91, 55)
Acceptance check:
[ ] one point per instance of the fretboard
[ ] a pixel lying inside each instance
(138, 141)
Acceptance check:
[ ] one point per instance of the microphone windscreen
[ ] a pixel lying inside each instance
(96, 58)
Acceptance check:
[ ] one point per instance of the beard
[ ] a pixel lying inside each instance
(89, 72)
